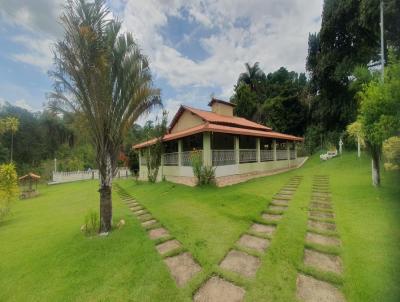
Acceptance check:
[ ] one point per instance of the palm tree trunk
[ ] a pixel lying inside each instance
(106, 175)
(12, 146)
(376, 175)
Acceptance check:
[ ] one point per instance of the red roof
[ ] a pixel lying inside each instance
(29, 175)
(212, 117)
(207, 127)
(219, 123)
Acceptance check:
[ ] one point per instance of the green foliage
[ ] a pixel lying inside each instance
(80, 158)
(205, 174)
(391, 152)
(380, 107)
(38, 139)
(276, 100)
(354, 130)
(8, 188)
(154, 152)
(349, 38)
(101, 74)
(91, 225)
(379, 114)
(197, 164)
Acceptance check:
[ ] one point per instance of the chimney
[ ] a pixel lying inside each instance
(221, 107)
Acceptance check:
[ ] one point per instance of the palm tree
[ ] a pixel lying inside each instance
(12, 125)
(101, 73)
(252, 76)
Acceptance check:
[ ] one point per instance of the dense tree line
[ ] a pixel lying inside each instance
(43, 136)
(323, 104)
(275, 99)
(349, 38)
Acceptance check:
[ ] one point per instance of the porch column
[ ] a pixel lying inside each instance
(295, 150)
(207, 156)
(162, 165)
(180, 152)
(288, 149)
(237, 149)
(274, 148)
(258, 149)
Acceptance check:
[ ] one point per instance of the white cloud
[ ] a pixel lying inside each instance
(39, 21)
(37, 51)
(34, 16)
(276, 35)
(272, 32)
(189, 96)
(23, 104)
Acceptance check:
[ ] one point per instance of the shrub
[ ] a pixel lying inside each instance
(91, 225)
(8, 188)
(205, 174)
(391, 152)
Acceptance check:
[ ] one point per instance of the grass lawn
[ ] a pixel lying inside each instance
(44, 257)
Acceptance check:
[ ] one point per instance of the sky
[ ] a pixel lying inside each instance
(196, 49)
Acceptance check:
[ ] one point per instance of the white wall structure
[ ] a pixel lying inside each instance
(61, 177)
(231, 166)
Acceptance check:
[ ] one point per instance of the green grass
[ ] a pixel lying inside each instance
(43, 255)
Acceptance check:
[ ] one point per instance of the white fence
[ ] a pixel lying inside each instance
(60, 177)
(281, 154)
(186, 157)
(247, 155)
(266, 155)
(223, 157)
(171, 159)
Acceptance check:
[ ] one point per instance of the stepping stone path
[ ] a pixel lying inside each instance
(217, 289)
(321, 227)
(181, 264)
(257, 239)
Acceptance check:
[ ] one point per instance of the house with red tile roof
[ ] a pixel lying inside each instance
(239, 149)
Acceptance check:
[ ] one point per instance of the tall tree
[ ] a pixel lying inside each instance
(349, 37)
(12, 125)
(379, 114)
(253, 76)
(102, 74)
(276, 100)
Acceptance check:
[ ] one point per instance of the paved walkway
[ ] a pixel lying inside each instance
(244, 258)
(320, 238)
(180, 263)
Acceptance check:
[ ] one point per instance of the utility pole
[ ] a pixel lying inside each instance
(382, 46)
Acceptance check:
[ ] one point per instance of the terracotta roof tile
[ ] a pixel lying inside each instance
(212, 117)
(210, 127)
(215, 118)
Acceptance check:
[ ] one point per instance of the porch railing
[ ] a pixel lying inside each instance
(247, 155)
(266, 155)
(171, 159)
(281, 154)
(223, 157)
(186, 157)
(292, 154)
